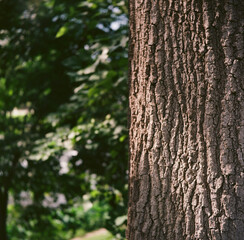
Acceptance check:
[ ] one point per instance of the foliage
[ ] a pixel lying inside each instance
(59, 224)
(63, 96)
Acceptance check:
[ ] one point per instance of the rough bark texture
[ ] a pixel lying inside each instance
(186, 120)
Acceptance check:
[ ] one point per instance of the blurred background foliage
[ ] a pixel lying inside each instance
(63, 117)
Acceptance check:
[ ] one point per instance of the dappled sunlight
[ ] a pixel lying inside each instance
(63, 118)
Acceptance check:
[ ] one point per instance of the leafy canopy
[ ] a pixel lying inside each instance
(63, 101)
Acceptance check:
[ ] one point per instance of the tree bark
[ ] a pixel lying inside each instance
(186, 120)
(3, 214)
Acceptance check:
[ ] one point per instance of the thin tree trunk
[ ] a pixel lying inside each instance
(3, 214)
(187, 120)
(4, 190)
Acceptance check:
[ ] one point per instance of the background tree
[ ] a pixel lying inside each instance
(186, 111)
(63, 77)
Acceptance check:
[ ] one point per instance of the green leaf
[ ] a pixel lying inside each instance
(122, 138)
(120, 220)
(63, 30)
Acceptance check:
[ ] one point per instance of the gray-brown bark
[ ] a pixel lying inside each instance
(187, 120)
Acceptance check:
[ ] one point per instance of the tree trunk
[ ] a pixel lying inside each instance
(186, 120)
(3, 214)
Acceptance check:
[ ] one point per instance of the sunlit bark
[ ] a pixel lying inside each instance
(186, 120)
